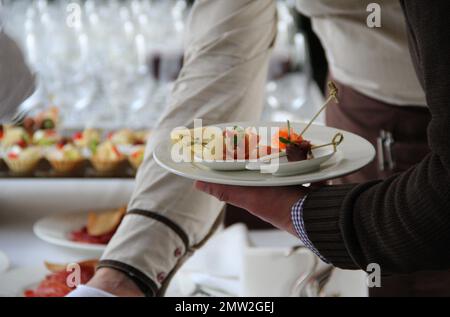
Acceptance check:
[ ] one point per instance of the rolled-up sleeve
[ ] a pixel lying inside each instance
(227, 50)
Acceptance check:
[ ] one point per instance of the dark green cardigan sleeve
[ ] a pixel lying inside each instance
(402, 223)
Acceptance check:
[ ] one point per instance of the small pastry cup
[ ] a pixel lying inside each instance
(65, 166)
(22, 166)
(106, 166)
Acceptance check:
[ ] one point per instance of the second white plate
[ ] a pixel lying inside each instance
(56, 230)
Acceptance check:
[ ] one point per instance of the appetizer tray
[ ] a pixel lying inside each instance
(45, 171)
(352, 154)
(37, 146)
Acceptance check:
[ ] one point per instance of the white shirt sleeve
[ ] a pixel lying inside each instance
(227, 51)
(17, 81)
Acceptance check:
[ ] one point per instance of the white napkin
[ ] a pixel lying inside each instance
(87, 291)
(217, 266)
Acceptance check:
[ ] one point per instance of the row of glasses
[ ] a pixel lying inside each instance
(288, 89)
(112, 63)
(96, 60)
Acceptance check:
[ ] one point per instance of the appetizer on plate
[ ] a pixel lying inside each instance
(22, 160)
(65, 157)
(107, 158)
(88, 139)
(15, 136)
(100, 227)
(46, 137)
(47, 119)
(55, 283)
(214, 144)
(239, 148)
(295, 146)
(127, 140)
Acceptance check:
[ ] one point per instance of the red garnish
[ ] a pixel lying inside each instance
(82, 235)
(13, 156)
(110, 135)
(78, 135)
(284, 134)
(61, 143)
(116, 151)
(136, 154)
(22, 143)
(55, 284)
(139, 142)
(50, 132)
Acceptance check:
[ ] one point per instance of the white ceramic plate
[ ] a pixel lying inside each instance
(57, 228)
(353, 154)
(14, 282)
(4, 262)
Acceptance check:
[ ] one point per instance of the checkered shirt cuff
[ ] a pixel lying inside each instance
(299, 225)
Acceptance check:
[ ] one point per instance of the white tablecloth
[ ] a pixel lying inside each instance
(23, 202)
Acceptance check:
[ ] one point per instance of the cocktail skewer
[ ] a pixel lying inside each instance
(335, 142)
(333, 92)
(337, 139)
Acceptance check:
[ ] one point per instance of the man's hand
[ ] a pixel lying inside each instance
(271, 204)
(115, 282)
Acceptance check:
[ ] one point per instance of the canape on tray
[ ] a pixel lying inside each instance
(100, 227)
(55, 284)
(22, 160)
(107, 158)
(65, 157)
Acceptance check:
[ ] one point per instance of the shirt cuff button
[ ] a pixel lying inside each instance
(161, 277)
(177, 252)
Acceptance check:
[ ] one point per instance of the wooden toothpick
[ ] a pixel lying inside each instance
(332, 96)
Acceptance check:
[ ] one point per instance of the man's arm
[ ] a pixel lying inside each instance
(226, 59)
(402, 223)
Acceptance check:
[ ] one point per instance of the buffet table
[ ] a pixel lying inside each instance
(24, 201)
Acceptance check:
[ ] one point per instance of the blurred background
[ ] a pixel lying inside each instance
(111, 64)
